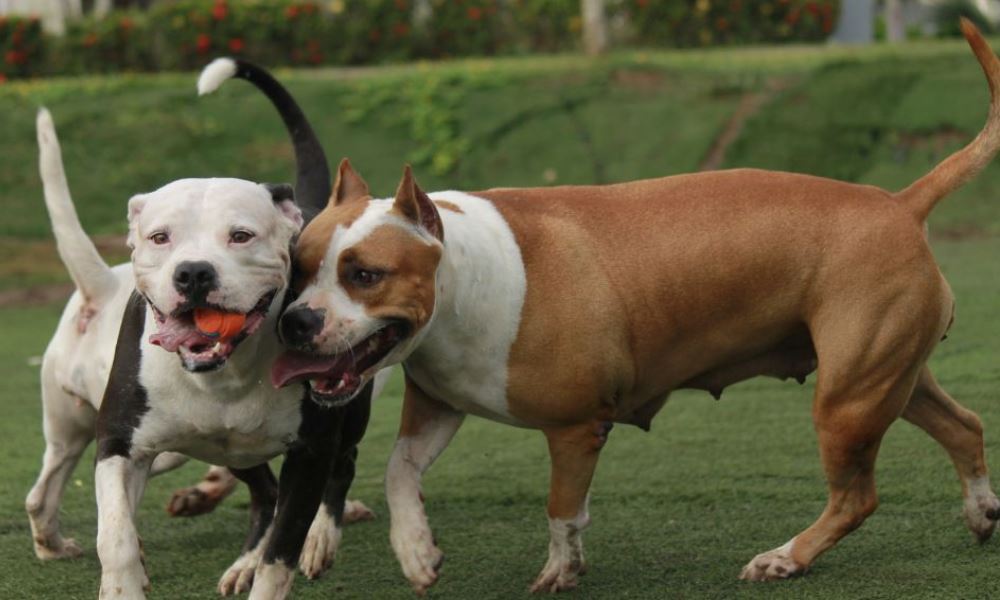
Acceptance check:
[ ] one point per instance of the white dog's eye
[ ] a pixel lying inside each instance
(159, 238)
(241, 236)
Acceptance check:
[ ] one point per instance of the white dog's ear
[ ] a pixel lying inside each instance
(135, 206)
(349, 185)
(283, 196)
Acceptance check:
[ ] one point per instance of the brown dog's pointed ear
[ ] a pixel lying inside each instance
(415, 206)
(349, 185)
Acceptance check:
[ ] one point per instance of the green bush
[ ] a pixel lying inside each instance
(546, 25)
(119, 42)
(714, 22)
(947, 16)
(21, 47)
(465, 27)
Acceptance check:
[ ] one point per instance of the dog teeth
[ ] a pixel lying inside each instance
(217, 347)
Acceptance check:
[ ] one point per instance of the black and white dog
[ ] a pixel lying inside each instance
(222, 244)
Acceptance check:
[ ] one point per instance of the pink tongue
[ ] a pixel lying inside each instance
(292, 366)
(172, 334)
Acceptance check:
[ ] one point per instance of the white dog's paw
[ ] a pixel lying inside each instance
(57, 547)
(418, 555)
(124, 585)
(321, 545)
(238, 578)
(771, 565)
(355, 511)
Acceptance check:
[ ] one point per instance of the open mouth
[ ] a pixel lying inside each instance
(334, 380)
(201, 351)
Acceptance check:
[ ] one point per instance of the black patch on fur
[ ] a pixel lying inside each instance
(263, 498)
(328, 437)
(313, 183)
(280, 191)
(125, 400)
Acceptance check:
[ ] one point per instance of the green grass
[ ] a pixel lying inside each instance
(676, 512)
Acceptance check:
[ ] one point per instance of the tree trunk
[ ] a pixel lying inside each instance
(895, 28)
(595, 27)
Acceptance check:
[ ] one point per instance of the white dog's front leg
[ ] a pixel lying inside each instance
(119, 482)
(426, 430)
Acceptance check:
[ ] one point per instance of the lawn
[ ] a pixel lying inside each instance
(676, 512)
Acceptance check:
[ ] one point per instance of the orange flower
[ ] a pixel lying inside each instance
(126, 24)
(400, 30)
(3, 78)
(474, 13)
(292, 11)
(90, 40)
(236, 45)
(219, 11)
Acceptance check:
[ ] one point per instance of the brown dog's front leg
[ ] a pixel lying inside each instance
(574, 452)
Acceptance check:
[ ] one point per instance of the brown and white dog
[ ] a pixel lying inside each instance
(569, 309)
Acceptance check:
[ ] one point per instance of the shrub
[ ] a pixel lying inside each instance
(465, 27)
(546, 25)
(21, 47)
(119, 42)
(947, 16)
(712, 22)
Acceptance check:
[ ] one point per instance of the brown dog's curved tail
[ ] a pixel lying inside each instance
(963, 165)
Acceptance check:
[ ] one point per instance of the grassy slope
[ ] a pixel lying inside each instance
(676, 512)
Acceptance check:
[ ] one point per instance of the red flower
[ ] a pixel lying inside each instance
(219, 11)
(203, 43)
(315, 58)
(292, 11)
(309, 8)
(236, 45)
(474, 13)
(15, 57)
(126, 24)
(3, 78)
(400, 30)
(90, 40)
(642, 3)
(721, 24)
(402, 4)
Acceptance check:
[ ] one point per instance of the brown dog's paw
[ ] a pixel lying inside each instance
(772, 565)
(355, 511)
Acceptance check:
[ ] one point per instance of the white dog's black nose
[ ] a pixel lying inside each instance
(300, 325)
(195, 279)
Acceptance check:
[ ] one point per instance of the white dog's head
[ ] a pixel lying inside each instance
(366, 277)
(222, 244)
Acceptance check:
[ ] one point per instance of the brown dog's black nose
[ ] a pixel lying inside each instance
(195, 279)
(299, 326)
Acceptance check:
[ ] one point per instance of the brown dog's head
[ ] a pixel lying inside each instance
(365, 271)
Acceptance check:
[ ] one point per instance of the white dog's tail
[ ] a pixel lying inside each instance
(312, 181)
(963, 165)
(90, 273)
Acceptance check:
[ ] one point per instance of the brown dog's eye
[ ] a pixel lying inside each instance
(159, 238)
(365, 278)
(240, 236)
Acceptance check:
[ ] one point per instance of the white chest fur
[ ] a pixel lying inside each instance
(232, 417)
(462, 358)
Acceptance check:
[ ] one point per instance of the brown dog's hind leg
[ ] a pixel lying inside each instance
(960, 433)
(204, 496)
(573, 452)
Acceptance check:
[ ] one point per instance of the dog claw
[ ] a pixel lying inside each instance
(771, 566)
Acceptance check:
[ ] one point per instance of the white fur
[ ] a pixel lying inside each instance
(273, 581)
(238, 578)
(481, 284)
(119, 484)
(410, 533)
(86, 267)
(773, 564)
(321, 545)
(979, 500)
(215, 74)
(565, 553)
(199, 216)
